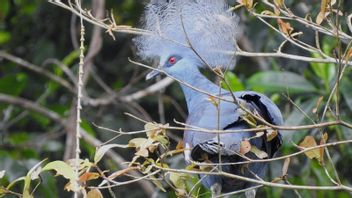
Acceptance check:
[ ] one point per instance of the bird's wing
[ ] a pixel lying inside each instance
(228, 116)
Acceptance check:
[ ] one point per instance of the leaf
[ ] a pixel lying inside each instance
(279, 3)
(274, 81)
(87, 176)
(32, 174)
(157, 183)
(259, 153)
(94, 193)
(285, 27)
(154, 129)
(247, 3)
(61, 168)
(271, 134)
(117, 174)
(320, 99)
(323, 140)
(2, 174)
(245, 147)
(324, 6)
(13, 84)
(285, 166)
(267, 12)
(233, 82)
(309, 141)
(179, 182)
(180, 145)
(100, 152)
(143, 152)
(137, 142)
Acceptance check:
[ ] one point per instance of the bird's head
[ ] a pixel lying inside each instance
(175, 65)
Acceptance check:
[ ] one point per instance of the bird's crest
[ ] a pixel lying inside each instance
(208, 25)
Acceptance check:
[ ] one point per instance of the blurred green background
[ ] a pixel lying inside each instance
(46, 36)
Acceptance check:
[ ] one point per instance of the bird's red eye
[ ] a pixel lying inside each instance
(172, 60)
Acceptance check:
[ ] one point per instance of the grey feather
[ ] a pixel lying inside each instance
(209, 25)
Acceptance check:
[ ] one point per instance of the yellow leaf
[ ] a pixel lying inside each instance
(245, 147)
(309, 141)
(180, 145)
(279, 3)
(259, 153)
(94, 193)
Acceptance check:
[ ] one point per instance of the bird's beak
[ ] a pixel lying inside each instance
(152, 74)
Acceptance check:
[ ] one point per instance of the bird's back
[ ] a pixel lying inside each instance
(205, 147)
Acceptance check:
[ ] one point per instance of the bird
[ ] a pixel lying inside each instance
(191, 35)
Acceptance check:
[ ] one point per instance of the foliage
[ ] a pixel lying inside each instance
(41, 39)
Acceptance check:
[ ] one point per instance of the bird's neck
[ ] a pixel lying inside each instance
(200, 85)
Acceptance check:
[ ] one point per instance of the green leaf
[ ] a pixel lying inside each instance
(274, 81)
(4, 37)
(13, 84)
(32, 174)
(71, 57)
(233, 81)
(325, 71)
(61, 168)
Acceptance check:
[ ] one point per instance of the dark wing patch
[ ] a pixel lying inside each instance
(262, 103)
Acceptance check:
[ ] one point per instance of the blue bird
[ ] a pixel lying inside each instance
(202, 112)
(187, 35)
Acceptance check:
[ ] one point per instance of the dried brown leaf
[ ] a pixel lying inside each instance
(88, 176)
(285, 166)
(309, 141)
(285, 27)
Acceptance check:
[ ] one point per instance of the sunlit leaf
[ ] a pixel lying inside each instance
(94, 193)
(137, 142)
(87, 176)
(309, 141)
(61, 168)
(103, 149)
(259, 153)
